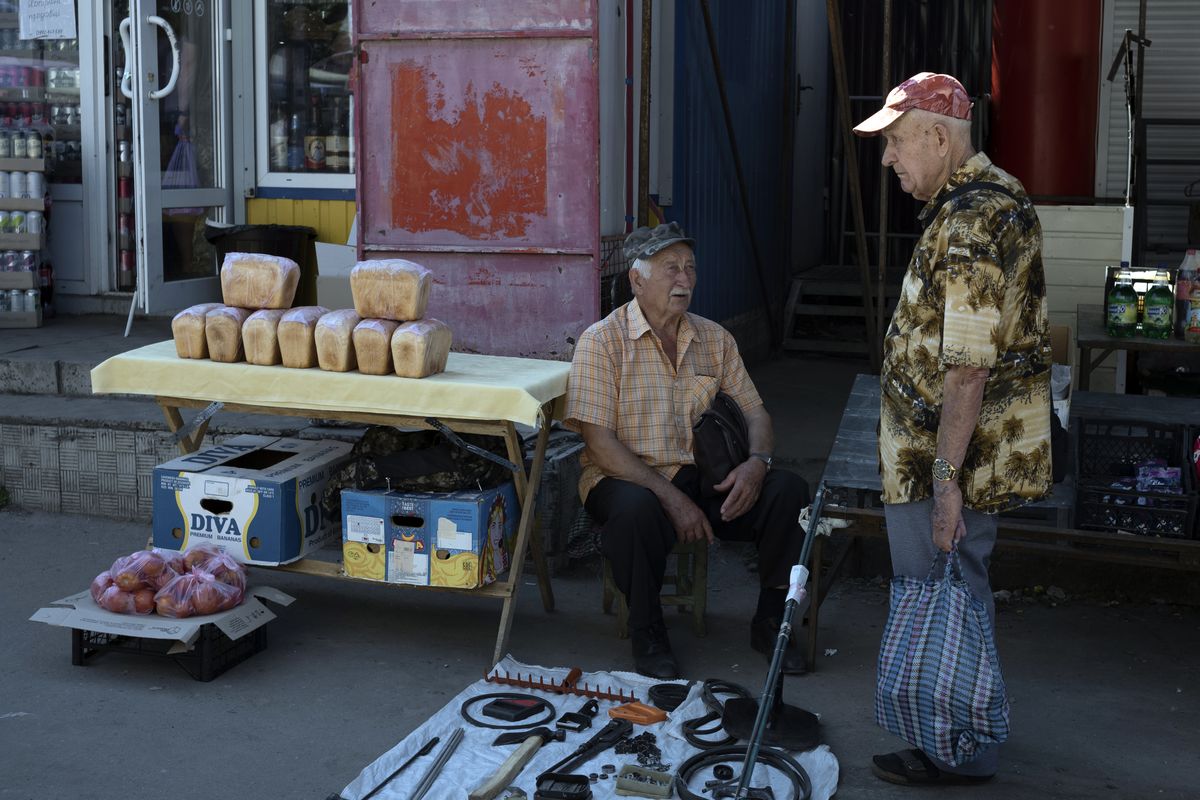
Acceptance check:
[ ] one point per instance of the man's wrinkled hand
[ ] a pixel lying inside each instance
(947, 519)
(744, 484)
(690, 523)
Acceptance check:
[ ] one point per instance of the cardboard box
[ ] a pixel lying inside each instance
(258, 498)
(80, 612)
(459, 539)
(1060, 344)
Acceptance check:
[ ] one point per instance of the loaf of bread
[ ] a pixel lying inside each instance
(296, 332)
(390, 289)
(420, 348)
(223, 332)
(335, 340)
(373, 346)
(254, 280)
(187, 327)
(260, 337)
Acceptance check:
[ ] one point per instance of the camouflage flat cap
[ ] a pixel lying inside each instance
(645, 242)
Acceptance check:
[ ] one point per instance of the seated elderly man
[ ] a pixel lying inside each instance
(639, 380)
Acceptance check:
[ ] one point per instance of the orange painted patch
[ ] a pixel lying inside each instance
(476, 168)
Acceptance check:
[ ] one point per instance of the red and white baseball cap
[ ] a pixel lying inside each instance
(931, 91)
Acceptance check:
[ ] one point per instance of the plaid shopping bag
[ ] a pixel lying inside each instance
(939, 685)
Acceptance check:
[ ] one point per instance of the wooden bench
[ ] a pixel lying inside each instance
(852, 492)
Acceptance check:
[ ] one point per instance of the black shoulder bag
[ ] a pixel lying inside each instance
(720, 442)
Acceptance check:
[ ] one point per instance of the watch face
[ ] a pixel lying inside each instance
(942, 470)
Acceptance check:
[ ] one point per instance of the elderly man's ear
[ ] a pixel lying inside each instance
(943, 138)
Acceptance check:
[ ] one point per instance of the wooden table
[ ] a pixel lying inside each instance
(123, 377)
(853, 485)
(1090, 334)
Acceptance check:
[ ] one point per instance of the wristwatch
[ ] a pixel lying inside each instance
(943, 470)
(765, 458)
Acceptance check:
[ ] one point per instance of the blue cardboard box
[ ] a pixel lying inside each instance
(458, 539)
(258, 498)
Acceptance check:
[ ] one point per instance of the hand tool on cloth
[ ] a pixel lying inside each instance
(435, 768)
(568, 685)
(512, 766)
(580, 720)
(607, 736)
(424, 751)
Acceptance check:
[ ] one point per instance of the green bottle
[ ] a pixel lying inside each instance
(1122, 306)
(1159, 310)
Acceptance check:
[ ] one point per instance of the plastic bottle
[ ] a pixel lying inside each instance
(1121, 319)
(1192, 332)
(279, 140)
(295, 147)
(1183, 289)
(1159, 310)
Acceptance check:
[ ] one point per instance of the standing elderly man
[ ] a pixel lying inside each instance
(640, 378)
(965, 417)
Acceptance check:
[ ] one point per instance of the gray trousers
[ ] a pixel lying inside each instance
(910, 538)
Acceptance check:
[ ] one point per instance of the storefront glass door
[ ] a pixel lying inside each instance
(177, 81)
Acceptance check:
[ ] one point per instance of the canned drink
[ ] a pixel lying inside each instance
(5, 144)
(33, 221)
(74, 152)
(35, 185)
(16, 222)
(16, 182)
(33, 144)
(124, 187)
(19, 145)
(33, 299)
(5, 184)
(8, 260)
(39, 77)
(123, 153)
(27, 261)
(16, 300)
(5, 221)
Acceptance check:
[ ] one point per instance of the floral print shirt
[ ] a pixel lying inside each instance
(974, 296)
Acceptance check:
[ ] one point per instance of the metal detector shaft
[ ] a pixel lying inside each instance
(767, 700)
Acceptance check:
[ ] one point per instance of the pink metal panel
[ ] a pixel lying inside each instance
(479, 159)
(404, 18)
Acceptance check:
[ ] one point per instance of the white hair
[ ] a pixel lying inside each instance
(643, 266)
(959, 128)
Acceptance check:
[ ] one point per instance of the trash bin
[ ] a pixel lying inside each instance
(297, 242)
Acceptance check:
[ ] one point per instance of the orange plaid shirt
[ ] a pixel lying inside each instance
(622, 380)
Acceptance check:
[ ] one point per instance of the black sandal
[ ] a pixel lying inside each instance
(913, 768)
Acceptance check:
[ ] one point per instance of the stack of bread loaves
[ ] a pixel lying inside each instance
(257, 290)
(385, 331)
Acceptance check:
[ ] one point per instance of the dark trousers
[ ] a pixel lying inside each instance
(637, 535)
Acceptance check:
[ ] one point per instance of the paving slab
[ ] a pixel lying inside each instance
(1104, 698)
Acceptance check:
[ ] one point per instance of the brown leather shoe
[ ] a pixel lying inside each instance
(763, 635)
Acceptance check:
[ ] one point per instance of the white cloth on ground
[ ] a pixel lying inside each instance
(476, 759)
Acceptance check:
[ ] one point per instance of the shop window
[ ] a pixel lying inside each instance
(303, 134)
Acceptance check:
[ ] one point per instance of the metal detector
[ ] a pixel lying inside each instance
(776, 723)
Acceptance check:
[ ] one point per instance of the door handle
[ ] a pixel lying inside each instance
(126, 84)
(158, 94)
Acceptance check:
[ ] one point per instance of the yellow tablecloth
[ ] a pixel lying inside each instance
(473, 387)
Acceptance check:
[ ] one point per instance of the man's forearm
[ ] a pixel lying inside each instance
(962, 396)
(760, 432)
(616, 460)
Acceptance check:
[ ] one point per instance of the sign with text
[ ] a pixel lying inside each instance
(47, 19)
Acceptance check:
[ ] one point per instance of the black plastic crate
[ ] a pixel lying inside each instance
(1109, 448)
(1099, 507)
(211, 654)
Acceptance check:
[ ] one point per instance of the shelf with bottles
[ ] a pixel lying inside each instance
(20, 242)
(312, 139)
(23, 164)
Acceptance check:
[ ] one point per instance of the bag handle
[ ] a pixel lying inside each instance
(952, 568)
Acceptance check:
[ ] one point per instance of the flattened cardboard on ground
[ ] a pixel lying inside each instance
(81, 612)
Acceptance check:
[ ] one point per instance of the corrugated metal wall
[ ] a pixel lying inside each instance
(331, 219)
(750, 38)
(1171, 89)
